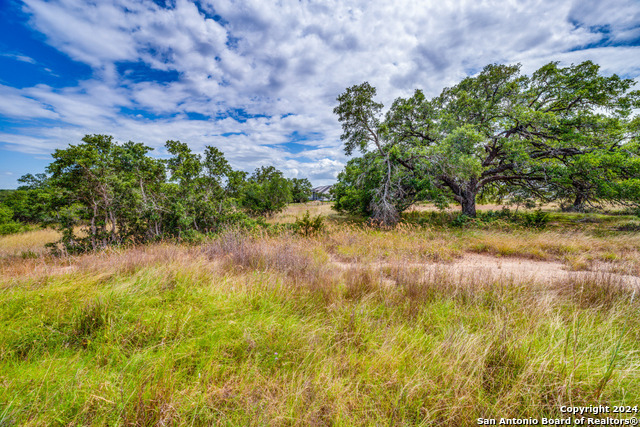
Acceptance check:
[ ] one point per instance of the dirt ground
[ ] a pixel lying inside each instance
(531, 270)
(516, 269)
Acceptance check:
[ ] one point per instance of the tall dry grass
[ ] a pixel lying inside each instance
(28, 242)
(296, 210)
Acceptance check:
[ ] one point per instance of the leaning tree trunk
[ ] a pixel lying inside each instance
(384, 211)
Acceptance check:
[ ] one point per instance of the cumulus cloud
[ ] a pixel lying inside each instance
(246, 76)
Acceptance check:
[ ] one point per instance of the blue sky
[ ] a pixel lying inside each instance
(259, 79)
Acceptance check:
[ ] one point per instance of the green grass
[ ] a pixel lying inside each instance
(265, 331)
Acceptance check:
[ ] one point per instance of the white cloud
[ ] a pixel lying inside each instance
(18, 104)
(288, 61)
(18, 57)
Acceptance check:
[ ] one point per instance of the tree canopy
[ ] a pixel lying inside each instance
(500, 130)
(102, 193)
(266, 192)
(300, 189)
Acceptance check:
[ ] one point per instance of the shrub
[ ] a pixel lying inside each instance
(536, 219)
(308, 225)
(267, 192)
(6, 214)
(10, 228)
(490, 216)
(7, 225)
(461, 220)
(300, 190)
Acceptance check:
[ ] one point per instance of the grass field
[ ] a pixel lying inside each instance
(420, 325)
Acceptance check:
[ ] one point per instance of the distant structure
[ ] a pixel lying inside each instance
(321, 193)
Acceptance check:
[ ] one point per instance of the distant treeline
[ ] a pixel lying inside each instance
(101, 193)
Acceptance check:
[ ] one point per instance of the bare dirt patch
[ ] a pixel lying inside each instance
(515, 269)
(532, 270)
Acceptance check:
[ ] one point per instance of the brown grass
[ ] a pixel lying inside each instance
(28, 242)
(430, 207)
(25, 255)
(295, 210)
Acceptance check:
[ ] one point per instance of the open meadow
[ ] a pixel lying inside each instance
(424, 324)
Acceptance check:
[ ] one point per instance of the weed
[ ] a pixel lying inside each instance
(360, 282)
(28, 255)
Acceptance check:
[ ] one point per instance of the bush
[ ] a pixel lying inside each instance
(461, 220)
(300, 190)
(7, 225)
(536, 219)
(6, 214)
(490, 216)
(10, 228)
(266, 193)
(308, 225)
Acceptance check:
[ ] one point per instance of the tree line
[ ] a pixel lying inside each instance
(563, 134)
(101, 193)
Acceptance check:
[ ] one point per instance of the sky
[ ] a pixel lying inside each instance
(259, 79)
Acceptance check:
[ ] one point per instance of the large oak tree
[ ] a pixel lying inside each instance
(499, 128)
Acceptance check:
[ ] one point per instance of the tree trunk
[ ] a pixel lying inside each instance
(93, 227)
(578, 203)
(384, 211)
(463, 194)
(468, 202)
